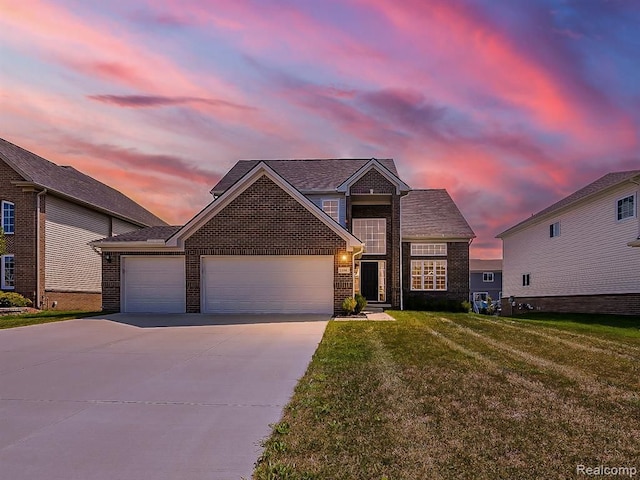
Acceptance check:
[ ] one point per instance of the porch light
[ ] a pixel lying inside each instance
(107, 257)
(344, 257)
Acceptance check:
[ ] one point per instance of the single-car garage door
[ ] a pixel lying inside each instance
(153, 284)
(267, 284)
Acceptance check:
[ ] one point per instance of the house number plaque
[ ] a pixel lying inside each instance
(344, 269)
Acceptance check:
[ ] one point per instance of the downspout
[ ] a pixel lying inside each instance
(401, 258)
(38, 298)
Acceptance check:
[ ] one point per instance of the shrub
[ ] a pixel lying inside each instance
(361, 303)
(12, 299)
(348, 305)
(467, 306)
(437, 304)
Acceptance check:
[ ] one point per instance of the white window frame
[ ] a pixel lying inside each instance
(3, 266)
(429, 265)
(331, 207)
(13, 205)
(480, 296)
(368, 231)
(428, 249)
(526, 279)
(488, 277)
(634, 207)
(554, 230)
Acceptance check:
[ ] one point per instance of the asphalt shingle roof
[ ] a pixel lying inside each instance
(432, 214)
(481, 265)
(70, 182)
(162, 232)
(604, 182)
(321, 175)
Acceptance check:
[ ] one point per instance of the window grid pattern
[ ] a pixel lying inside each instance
(487, 276)
(373, 232)
(428, 249)
(8, 272)
(626, 207)
(428, 274)
(8, 217)
(331, 208)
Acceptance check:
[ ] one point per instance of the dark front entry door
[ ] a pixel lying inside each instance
(369, 280)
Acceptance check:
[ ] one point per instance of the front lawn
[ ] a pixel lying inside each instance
(441, 396)
(45, 316)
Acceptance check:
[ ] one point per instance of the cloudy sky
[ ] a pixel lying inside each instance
(509, 105)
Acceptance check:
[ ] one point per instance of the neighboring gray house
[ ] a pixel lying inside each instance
(577, 255)
(485, 279)
(50, 214)
(295, 236)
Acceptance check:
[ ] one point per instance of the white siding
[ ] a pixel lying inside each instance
(120, 226)
(590, 257)
(70, 263)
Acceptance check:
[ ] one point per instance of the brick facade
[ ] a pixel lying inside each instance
(264, 220)
(622, 304)
(374, 183)
(22, 244)
(457, 275)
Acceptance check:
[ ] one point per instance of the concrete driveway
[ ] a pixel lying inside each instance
(161, 397)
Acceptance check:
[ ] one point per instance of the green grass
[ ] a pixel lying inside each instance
(440, 395)
(46, 316)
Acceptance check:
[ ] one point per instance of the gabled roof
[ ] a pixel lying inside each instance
(258, 171)
(605, 182)
(147, 234)
(74, 185)
(376, 165)
(481, 265)
(432, 214)
(306, 176)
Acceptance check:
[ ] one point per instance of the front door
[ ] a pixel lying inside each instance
(369, 280)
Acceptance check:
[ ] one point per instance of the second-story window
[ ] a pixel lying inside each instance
(626, 207)
(554, 230)
(8, 217)
(331, 208)
(487, 276)
(373, 232)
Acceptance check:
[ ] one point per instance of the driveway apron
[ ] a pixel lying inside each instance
(147, 396)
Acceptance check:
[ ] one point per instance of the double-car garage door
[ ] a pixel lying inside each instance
(231, 284)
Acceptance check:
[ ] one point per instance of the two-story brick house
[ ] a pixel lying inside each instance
(295, 236)
(50, 214)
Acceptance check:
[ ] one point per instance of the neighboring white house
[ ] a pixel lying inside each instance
(577, 255)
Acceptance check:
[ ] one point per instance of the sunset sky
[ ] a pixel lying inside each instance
(509, 105)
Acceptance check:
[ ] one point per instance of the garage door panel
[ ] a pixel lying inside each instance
(153, 285)
(268, 284)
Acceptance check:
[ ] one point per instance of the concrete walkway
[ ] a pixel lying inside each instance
(135, 397)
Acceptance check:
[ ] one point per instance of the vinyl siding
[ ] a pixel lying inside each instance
(590, 257)
(70, 263)
(120, 226)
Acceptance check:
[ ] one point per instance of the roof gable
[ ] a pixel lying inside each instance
(71, 184)
(482, 265)
(432, 214)
(373, 164)
(604, 183)
(258, 171)
(306, 176)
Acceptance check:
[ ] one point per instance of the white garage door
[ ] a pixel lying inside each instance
(267, 284)
(153, 284)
